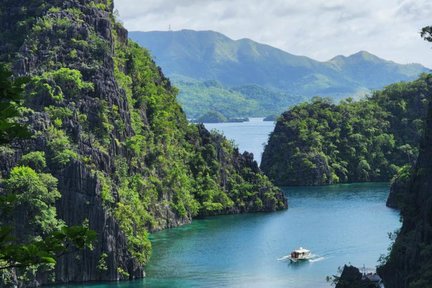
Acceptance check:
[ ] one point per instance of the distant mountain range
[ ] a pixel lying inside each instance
(244, 78)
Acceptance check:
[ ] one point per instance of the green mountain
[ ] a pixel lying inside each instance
(282, 79)
(109, 148)
(319, 142)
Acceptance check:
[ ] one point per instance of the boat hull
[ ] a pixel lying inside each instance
(298, 259)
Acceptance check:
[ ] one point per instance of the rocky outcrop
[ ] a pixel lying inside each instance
(81, 199)
(399, 188)
(289, 161)
(409, 263)
(320, 143)
(352, 278)
(126, 159)
(50, 42)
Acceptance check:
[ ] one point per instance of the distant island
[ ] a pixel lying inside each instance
(217, 117)
(271, 118)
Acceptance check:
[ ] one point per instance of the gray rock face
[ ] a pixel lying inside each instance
(80, 36)
(81, 190)
(409, 263)
(81, 200)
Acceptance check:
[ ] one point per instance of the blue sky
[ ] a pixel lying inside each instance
(314, 28)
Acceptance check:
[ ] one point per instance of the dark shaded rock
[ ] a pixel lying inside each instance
(121, 103)
(399, 188)
(81, 200)
(410, 261)
(352, 278)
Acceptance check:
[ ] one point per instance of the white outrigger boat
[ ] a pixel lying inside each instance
(300, 254)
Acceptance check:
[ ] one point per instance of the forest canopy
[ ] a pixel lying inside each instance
(320, 142)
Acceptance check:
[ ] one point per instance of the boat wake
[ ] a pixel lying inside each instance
(287, 257)
(316, 259)
(313, 258)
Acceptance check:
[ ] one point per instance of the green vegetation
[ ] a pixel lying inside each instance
(10, 107)
(212, 117)
(36, 194)
(193, 168)
(35, 160)
(60, 148)
(369, 140)
(197, 98)
(409, 263)
(243, 78)
(69, 79)
(31, 235)
(108, 135)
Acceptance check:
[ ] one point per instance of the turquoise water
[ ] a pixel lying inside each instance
(249, 136)
(340, 224)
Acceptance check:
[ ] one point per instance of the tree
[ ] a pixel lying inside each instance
(37, 191)
(426, 33)
(10, 102)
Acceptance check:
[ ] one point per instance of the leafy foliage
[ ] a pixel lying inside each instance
(369, 140)
(409, 263)
(10, 100)
(35, 160)
(34, 193)
(29, 194)
(190, 168)
(106, 120)
(42, 251)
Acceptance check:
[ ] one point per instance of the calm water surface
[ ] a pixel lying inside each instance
(249, 136)
(340, 224)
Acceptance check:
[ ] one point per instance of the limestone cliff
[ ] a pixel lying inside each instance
(409, 263)
(125, 157)
(369, 140)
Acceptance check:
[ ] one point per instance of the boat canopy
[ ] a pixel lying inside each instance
(301, 250)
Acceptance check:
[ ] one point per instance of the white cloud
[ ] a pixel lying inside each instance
(315, 28)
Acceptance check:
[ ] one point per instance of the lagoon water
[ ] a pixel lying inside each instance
(250, 136)
(341, 224)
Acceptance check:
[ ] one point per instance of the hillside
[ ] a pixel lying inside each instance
(188, 56)
(109, 145)
(409, 263)
(320, 142)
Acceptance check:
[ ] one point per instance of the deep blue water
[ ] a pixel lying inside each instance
(340, 224)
